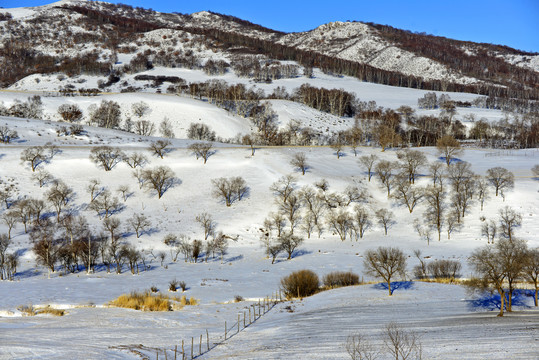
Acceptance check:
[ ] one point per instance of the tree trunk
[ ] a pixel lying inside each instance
(389, 287)
(502, 301)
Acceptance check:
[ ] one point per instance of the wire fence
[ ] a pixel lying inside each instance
(201, 344)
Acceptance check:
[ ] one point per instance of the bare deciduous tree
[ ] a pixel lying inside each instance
(139, 223)
(362, 220)
(165, 128)
(531, 270)
(341, 222)
(385, 263)
(70, 112)
(160, 147)
(384, 170)
(359, 348)
(202, 150)
(385, 218)
(205, 220)
(160, 179)
(434, 196)
(406, 193)
(500, 178)
(402, 344)
(289, 243)
(106, 157)
(299, 161)
(284, 187)
(34, 155)
(368, 162)
(412, 161)
(509, 220)
(449, 148)
(135, 160)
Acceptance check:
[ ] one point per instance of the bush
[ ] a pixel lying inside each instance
(51, 311)
(340, 278)
(154, 289)
(444, 269)
(173, 285)
(238, 298)
(143, 301)
(300, 283)
(183, 286)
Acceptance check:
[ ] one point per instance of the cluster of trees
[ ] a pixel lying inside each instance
(500, 266)
(32, 108)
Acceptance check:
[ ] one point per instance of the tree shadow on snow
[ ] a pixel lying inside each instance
(235, 258)
(453, 160)
(395, 285)
(490, 302)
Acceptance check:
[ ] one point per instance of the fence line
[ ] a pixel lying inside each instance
(243, 321)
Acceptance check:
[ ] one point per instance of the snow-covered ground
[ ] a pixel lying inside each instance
(450, 327)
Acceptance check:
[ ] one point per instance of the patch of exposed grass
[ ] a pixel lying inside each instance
(339, 279)
(443, 281)
(51, 311)
(27, 310)
(146, 301)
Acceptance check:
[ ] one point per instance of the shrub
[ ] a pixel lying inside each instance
(154, 289)
(340, 278)
(186, 301)
(51, 311)
(143, 301)
(183, 286)
(444, 269)
(300, 284)
(173, 285)
(238, 298)
(27, 310)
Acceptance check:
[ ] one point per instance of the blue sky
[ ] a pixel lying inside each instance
(508, 22)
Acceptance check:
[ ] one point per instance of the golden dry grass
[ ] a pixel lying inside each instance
(443, 281)
(146, 301)
(51, 311)
(27, 310)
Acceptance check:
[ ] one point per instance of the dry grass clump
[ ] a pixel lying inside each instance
(340, 278)
(146, 301)
(300, 283)
(27, 310)
(51, 311)
(444, 281)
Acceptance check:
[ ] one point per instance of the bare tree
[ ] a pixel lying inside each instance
(290, 209)
(70, 112)
(368, 163)
(106, 157)
(205, 220)
(160, 147)
(139, 223)
(143, 127)
(531, 270)
(107, 114)
(140, 109)
(458, 174)
(111, 224)
(34, 155)
(105, 204)
(362, 220)
(94, 188)
(7, 134)
(202, 150)
(160, 179)
(385, 263)
(412, 161)
(341, 222)
(535, 170)
(488, 229)
(509, 220)
(135, 160)
(359, 348)
(299, 161)
(284, 187)
(124, 190)
(497, 265)
(338, 147)
(43, 177)
(500, 178)
(406, 193)
(449, 148)
(11, 219)
(220, 244)
(436, 171)
(59, 196)
(289, 243)
(402, 344)
(482, 190)
(384, 170)
(385, 218)
(230, 189)
(434, 196)
(165, 128)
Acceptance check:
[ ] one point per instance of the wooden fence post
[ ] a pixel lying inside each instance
(225, 329)
(244, 319)
(166, 357)
(249, 315)
(192, 345)
(157, 353)
(183, 351)
(175, 351)
(208, 339)
(238, 323)
(200, 346)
